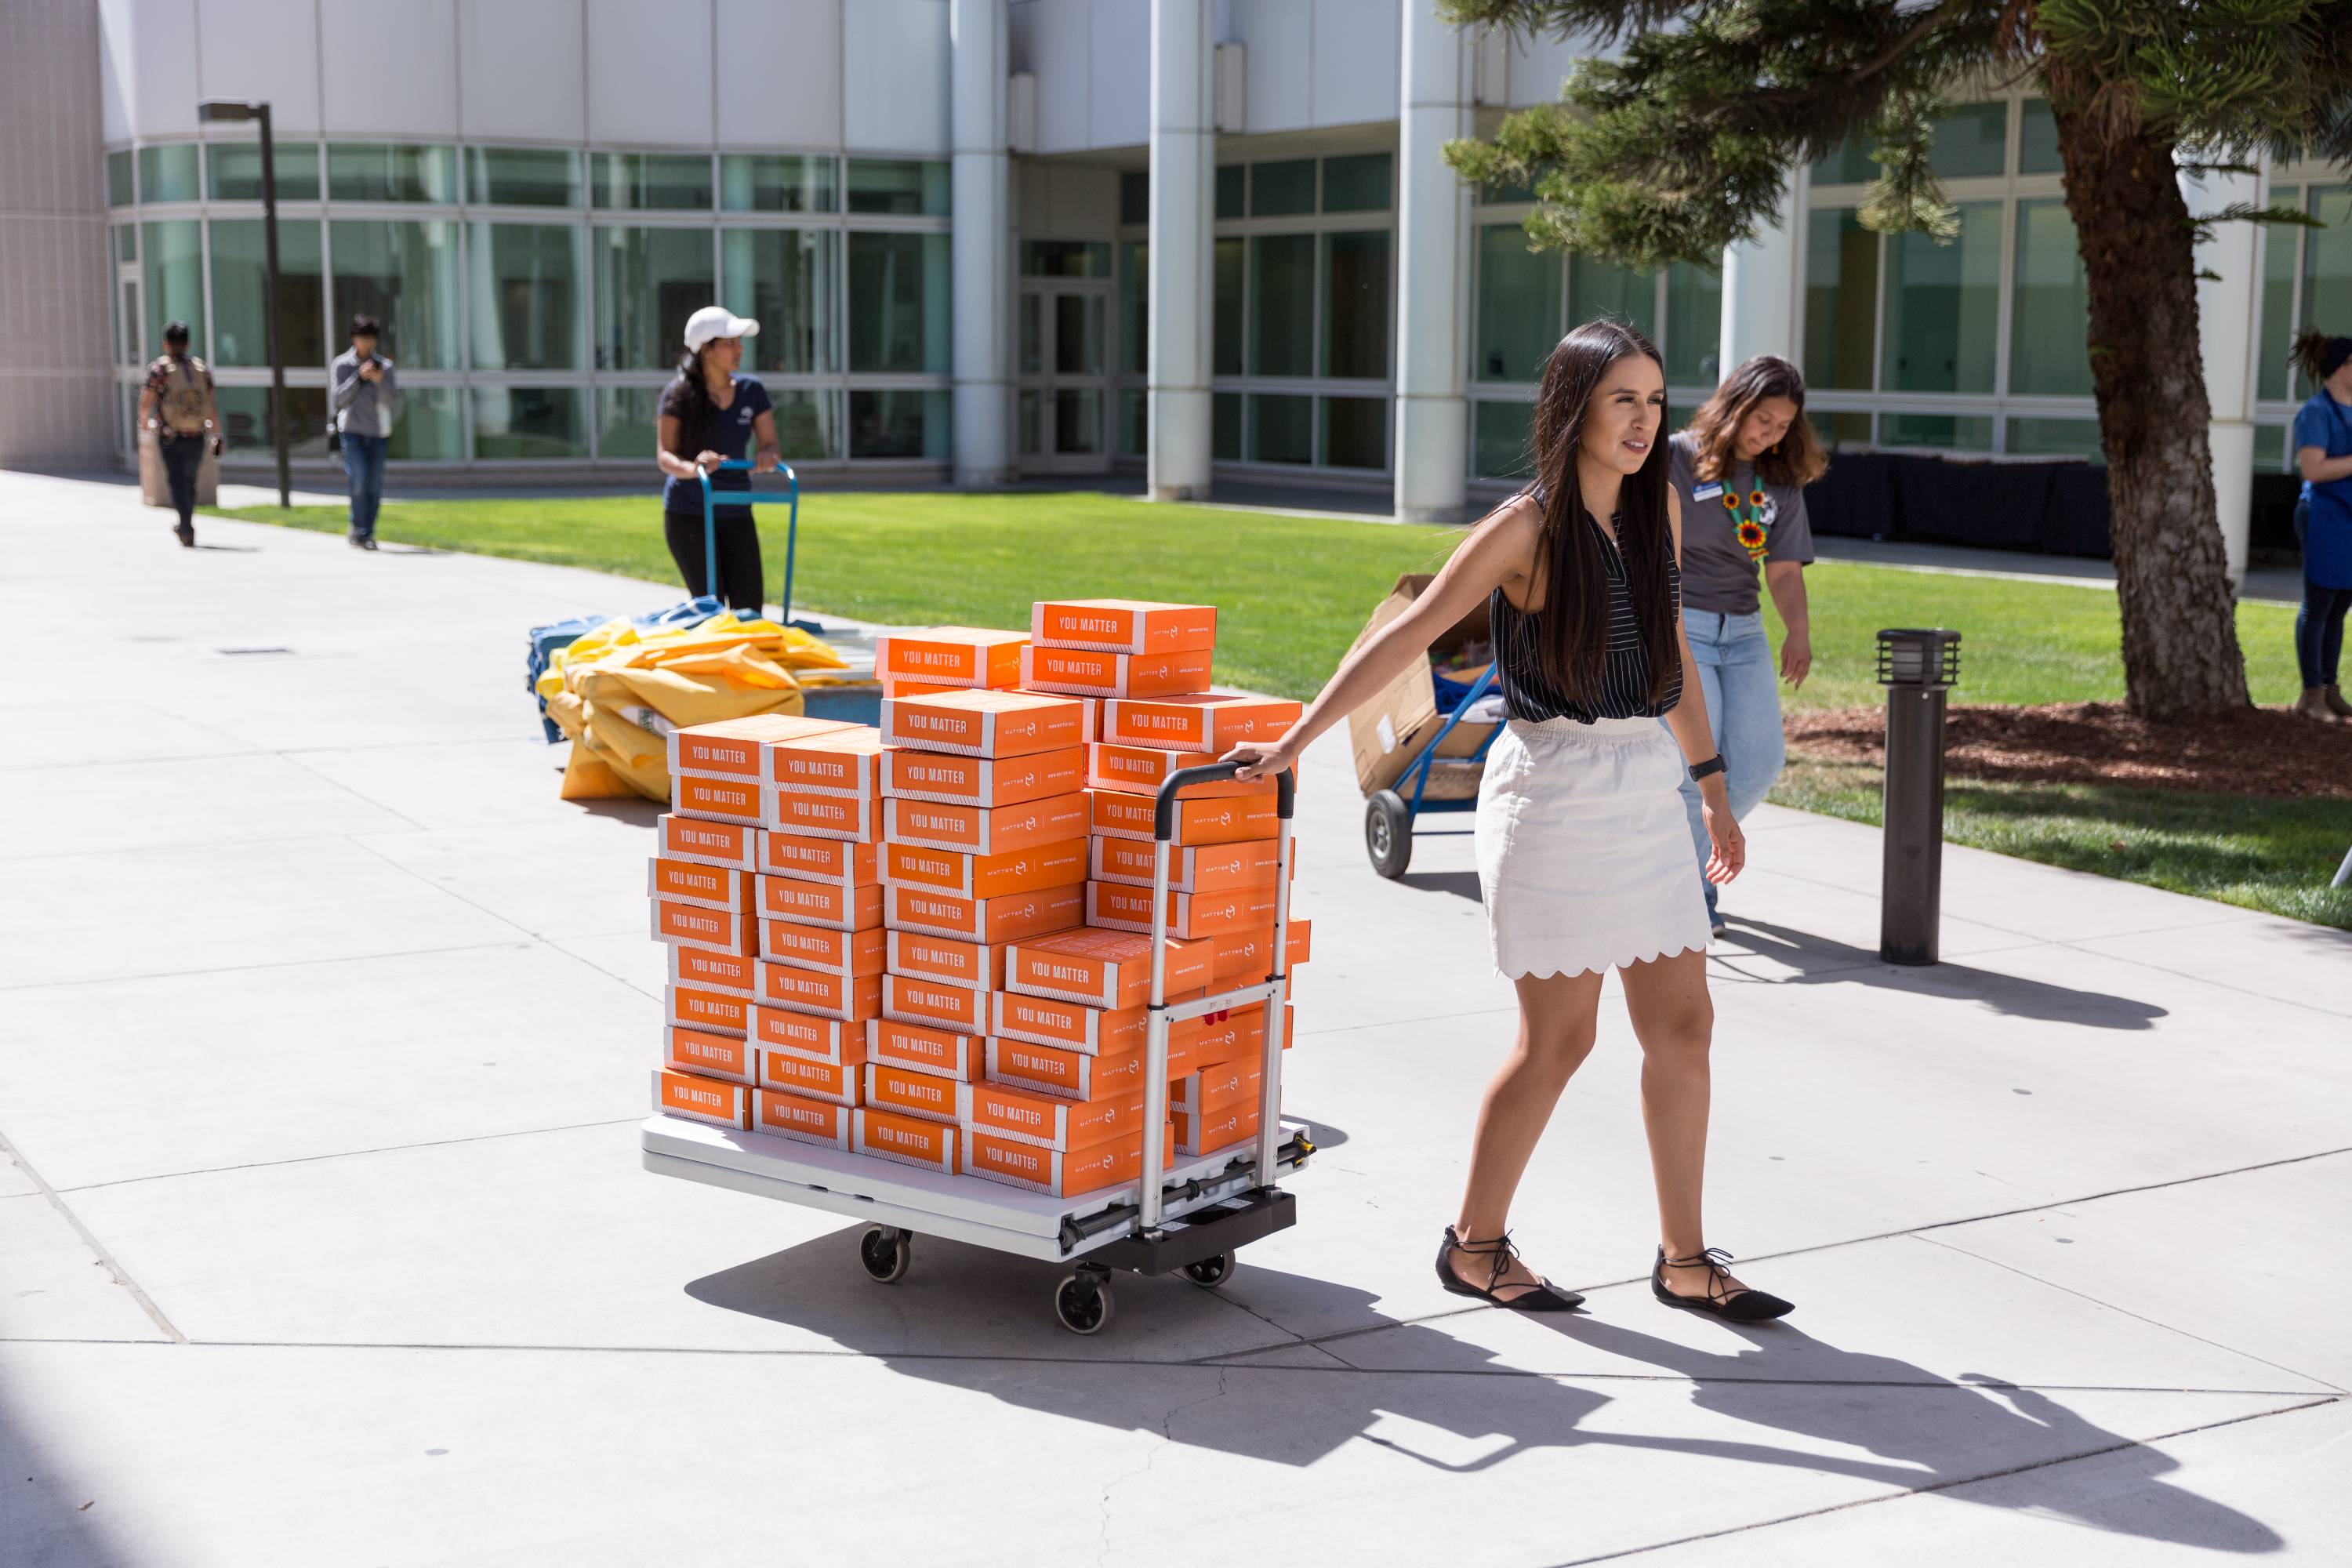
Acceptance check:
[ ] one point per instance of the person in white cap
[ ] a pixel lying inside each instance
(709, 416)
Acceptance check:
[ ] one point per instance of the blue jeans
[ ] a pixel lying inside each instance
(364, 462)
(1742, 684)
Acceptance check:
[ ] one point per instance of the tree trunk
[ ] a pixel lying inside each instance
(2181, 659)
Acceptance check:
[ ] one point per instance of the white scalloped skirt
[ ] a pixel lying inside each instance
(1584, 852)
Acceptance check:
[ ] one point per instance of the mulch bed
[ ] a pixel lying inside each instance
(2260, 752)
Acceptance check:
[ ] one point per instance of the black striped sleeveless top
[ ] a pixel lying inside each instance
(1624, 664)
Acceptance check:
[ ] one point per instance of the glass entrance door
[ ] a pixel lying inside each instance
(1063, 356)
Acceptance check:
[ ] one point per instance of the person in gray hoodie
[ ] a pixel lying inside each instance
(363, 396)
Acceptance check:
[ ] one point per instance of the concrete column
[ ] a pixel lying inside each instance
(2230, 329)
(982, 243)
(1761, 281)
(1432, 406)
(1181, 333)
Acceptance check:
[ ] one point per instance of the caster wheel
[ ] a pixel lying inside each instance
(1211, 1272)
(1082, 1303)
(885, 1252)
(1388, 833)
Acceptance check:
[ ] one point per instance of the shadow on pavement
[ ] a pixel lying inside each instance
(1460, 884)
(1818, 960)
(47, 1520)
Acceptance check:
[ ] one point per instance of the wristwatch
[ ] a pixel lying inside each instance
(1714, 764)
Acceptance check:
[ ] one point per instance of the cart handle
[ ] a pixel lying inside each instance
(1164, 810)
(791, 497)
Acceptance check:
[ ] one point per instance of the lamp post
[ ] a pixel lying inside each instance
(218, 110)
(1916, 665)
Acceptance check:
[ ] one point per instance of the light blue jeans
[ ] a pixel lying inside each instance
(1742, 684)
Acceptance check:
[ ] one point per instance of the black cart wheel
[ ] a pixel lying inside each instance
(885, 1252)
(1082, 1303)
(1211, 1272)
(1388, 833)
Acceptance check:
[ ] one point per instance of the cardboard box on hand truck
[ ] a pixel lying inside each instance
(1389, 731)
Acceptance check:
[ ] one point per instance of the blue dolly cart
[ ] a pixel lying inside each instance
(790, 495)
(1389, 814)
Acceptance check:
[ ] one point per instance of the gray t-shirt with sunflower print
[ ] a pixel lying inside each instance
(1722, 544)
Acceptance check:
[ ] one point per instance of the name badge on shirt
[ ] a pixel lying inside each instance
(1707, 491)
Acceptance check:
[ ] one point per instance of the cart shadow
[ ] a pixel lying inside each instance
(1460, 884)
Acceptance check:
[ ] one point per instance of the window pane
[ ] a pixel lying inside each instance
(2326, 265)
(1281, 305)
(522, 177)
(2057, 438)
(899, 305)
(120, 192)
(1233, 182)
(2050, 316)
(2271, 454)
(1844, 429)
(1841, 298)
(526, 297)
(1967, 434)
(234, 169)
(174, 275)
(2037, 139)
(240, 270)
(1227, 265)
(1355, 184)
(1078, 420)
(2281, 258)
(168, 173)
(1282, 429)
(1970, 141)
(648, 281)
(625, 421)
(530, 422)
(1693, 325)
(896, 186)
(1942, 302)
(642, 181)
(389, 171)
(1065, 258)
(808, 422)
(1356, 305)
(1278, 190)
(1356, 432)
(1030, 419)
(900, 423)
(430, 427)
(1134, 307)
(1499, 440)
(1850, 164)
(1134, 423)
(783, 277)
(1605, 289)
(1226, 427)
(1518, 305)
(1078, 333)
(1135, 196)
(245, 420)
(776, 183)
(404, 275)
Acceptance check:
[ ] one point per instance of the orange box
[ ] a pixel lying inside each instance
(1075, 1075)
(1121, 906)
(829, 995)
(711, 931)
(712, 970)
(820, 903)
(1085, 672)
(1048, 1120)
(797, 1116)
(712, 1012)
(1072, 1025)
(790, 809)
(1205, 1134)
(1062, 1173)
(836, 860)
(833, 1041)
(1248, 955)
(985, 723)
(923, 1094)
(943, 1052)
(910, 1140)
(985, 830)
(717, 799)
(1011, 918)
(1211, 1089)
(987, 876)
(983, 781)
(1141, 770)
(1211, 721)
(699, 1098)
(712, 1056)
(691, 882)
(1123, 626)
(1239, 1035)
(1120, 815)
(951, 655)
(735, 845)
(847, 763)
(941, 1004)
(1194, 869)
(1105, 968)
(835, 1083)
(945, 958)
(736, 748)
(848, 953)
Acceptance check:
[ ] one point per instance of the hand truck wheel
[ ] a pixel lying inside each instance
(885, 1251)
(1211, 1272)
(1388, 833)
(1081, 1302)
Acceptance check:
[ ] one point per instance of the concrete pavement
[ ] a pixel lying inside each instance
(324, 1030)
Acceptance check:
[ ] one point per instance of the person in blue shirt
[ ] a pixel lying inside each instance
(709, 415)
(2323, 521)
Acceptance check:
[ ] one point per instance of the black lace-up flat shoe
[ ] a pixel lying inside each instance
(1733, 1306)
(1543, 1296)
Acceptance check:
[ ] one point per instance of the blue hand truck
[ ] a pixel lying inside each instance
(790, 495)
(1389, 814)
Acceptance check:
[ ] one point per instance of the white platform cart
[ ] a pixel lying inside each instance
(1192, 1216)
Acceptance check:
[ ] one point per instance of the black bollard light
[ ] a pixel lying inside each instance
(1916, 665)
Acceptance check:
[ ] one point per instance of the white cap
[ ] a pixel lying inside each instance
(717, 322)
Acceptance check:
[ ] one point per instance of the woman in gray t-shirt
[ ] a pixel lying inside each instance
(1739, 474)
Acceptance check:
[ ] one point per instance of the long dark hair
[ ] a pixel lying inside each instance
(688, 402)
(2319, 357)
(1575, 570)
(1796, 459)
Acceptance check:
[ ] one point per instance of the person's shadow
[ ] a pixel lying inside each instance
(1819, 961)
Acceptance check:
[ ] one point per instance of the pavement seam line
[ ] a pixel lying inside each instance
(1946, 1486)
(248, 968)
(2202, 980)
(360, 842)
(350, 1154)
(291, 760)
(122, 1275)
